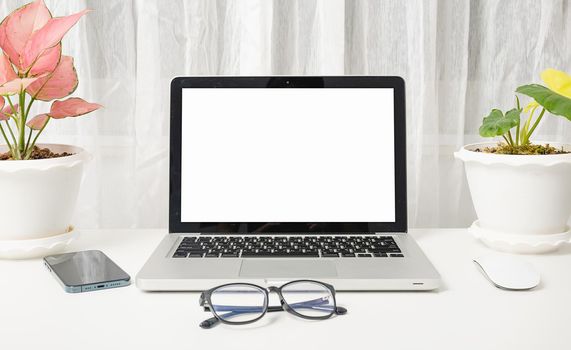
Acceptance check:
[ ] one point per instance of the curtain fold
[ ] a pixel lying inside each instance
(459, 59)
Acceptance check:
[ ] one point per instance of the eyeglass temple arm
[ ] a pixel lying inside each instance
(316, 304)
(209, 323)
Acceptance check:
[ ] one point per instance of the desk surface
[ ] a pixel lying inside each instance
(467, 312)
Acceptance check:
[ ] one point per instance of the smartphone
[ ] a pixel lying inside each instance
(86, 271)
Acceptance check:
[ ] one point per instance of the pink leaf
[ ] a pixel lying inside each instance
(72, 107)
(21, 24)
(6, 45)
(6, 71)
(2, 116)
(17, 27)
(15, 86)
(38, 121)
(9, 110)
(47, 61)
(48, 36)
(61, 83)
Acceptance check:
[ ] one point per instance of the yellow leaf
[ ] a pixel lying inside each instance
(557, 81)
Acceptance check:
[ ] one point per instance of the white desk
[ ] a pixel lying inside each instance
(467, 313)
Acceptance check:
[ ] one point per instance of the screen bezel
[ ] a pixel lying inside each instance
(179, 83)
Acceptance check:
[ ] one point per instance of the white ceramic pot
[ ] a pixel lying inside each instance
(39, 196)
(519, 195)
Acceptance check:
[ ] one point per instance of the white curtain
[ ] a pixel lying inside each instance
(459, 58)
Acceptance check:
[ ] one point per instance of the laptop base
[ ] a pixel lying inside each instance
(414, 271)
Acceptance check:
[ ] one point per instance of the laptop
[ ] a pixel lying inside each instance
(279, 178)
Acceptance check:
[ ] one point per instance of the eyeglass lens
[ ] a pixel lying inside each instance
(309, 299)
(238, 303)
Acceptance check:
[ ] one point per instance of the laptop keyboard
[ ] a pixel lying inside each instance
(287, 246)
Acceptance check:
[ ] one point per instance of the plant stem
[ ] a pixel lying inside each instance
(535, 124)
(517, 133)
(30, 134)
(11, 132)
(28, 142)
(6, 139)
(507, 141)
(518, 106)
(21, 142)
(525, 127)
(31, 149)
(14, 111)
(30, 106)
(510, 138)
(16, 154)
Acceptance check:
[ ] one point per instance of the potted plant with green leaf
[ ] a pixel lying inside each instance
(522, 190)
(39, 183)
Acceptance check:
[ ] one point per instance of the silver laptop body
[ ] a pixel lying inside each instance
(274, 179)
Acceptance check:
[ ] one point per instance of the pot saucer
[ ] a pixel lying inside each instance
(35, 248)
(522, 244)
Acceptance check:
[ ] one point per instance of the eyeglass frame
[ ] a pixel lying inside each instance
(205, 301)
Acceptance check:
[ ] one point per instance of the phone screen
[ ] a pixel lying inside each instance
(86, 267)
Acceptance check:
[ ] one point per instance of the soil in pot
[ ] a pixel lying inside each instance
(530, 149)
(38, 153)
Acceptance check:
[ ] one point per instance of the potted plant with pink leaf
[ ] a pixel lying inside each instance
(39, 183)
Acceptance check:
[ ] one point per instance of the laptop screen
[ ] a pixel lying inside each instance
(303, 155)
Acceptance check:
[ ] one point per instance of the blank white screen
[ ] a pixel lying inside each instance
(287, 155)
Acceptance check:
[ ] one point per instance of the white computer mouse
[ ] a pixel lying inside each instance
(508, 272)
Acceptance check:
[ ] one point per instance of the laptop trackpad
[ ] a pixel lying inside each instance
(288, 268)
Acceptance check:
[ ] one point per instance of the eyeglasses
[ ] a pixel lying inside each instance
(243, 303)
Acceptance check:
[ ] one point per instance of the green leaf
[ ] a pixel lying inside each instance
(513, 115)
(550, 100)
(497, 124)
